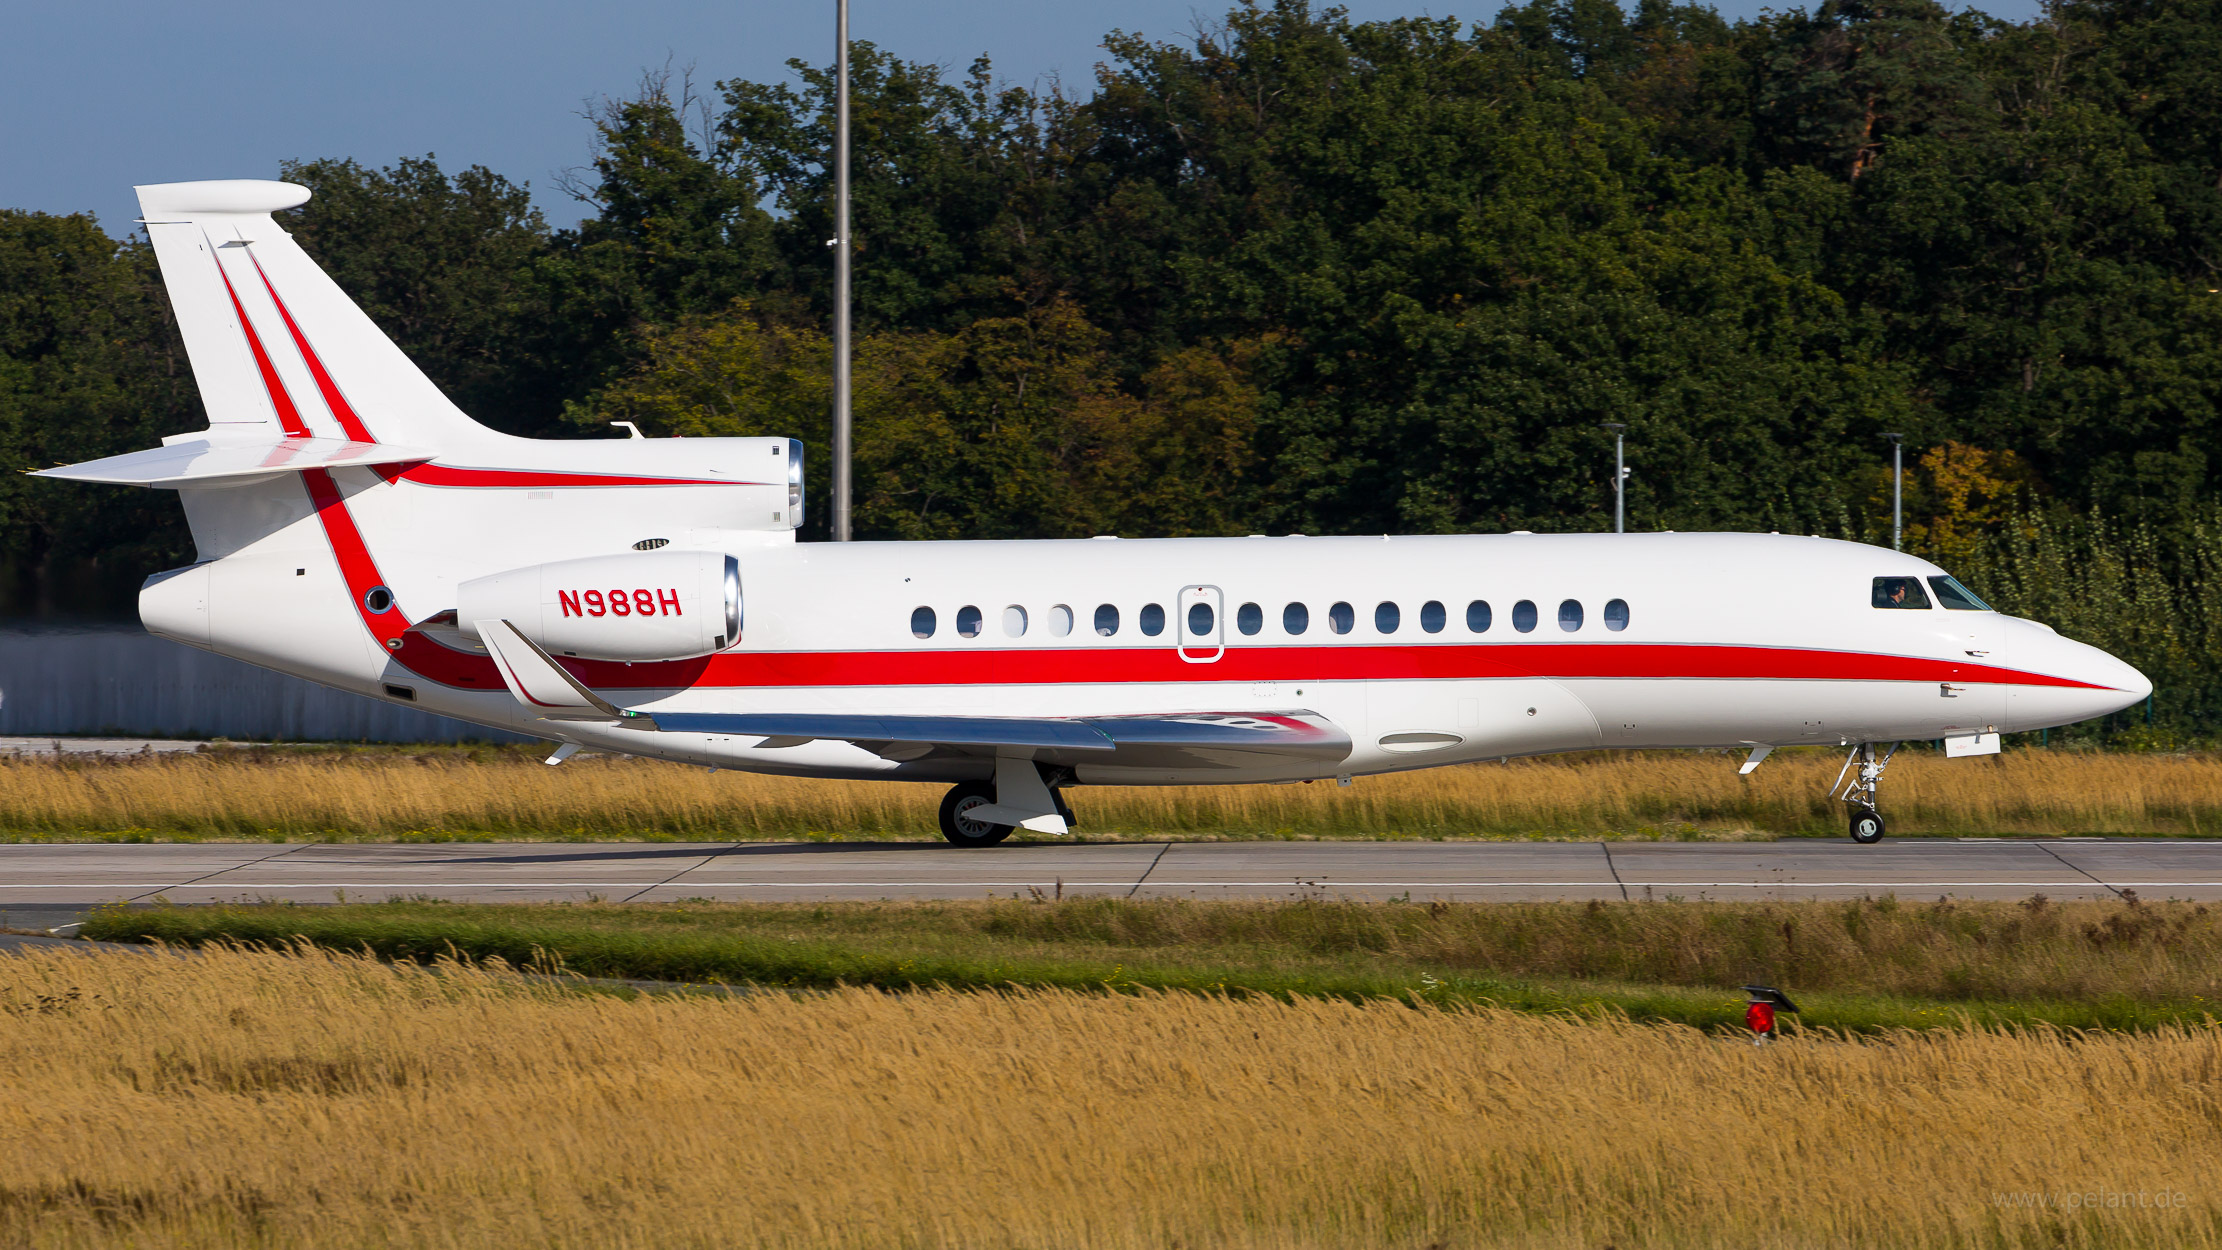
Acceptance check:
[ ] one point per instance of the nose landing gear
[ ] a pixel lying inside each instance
(1859, 789)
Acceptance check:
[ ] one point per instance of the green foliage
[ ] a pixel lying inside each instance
(1300, 272)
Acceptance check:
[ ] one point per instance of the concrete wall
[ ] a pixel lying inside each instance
(122, 680)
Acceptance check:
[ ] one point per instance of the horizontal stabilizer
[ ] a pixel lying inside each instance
(199, 462)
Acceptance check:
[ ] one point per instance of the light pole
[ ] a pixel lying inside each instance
(841, 275)
(1897, 489)
(1619, 476)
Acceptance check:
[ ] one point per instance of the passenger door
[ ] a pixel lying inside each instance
(1199, 624)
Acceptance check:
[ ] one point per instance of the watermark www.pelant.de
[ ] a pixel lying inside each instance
(2094, 1200)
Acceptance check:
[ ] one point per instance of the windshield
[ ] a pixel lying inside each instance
(1953, 595)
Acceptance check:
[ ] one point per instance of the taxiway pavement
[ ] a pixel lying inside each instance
(45, 885)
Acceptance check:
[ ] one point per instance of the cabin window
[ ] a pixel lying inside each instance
(1957, 597)
(1107, 620)
(1341, 617)
(1060, 621)
(1199, 620)
(1570, 615)
(1900, 592)
(968, 621)
(1616, 615)
(1386, 617)
(1296, 618)
(1014, 622)
(1432, 616)
(1249, 618)
(1523, 616)
(922, 623)
(1152, 619)
(1478, 616)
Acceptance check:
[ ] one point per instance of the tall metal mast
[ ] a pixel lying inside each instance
(1897, 491)
(841, 276)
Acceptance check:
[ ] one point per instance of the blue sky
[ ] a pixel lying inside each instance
(95, 97)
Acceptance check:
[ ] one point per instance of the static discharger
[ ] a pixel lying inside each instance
(1759, 1012)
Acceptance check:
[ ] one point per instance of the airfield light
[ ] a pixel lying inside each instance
(1759, 1012)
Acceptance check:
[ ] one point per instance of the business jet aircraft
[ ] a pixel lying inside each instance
(647, 596)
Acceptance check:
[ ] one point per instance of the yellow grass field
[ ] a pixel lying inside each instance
(443, 793)
(326, 1100)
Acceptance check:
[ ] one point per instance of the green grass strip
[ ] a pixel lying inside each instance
(673, 944)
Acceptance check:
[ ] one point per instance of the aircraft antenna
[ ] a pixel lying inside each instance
(841, 430)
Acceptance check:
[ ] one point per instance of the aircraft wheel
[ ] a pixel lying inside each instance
(1867, 826)
(962, 829)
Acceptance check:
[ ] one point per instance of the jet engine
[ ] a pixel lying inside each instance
(658, 605)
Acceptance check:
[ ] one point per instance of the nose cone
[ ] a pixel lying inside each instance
(2067, 681)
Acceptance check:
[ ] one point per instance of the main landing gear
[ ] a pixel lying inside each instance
(969, 811)
(1859, 788)
(957, 823)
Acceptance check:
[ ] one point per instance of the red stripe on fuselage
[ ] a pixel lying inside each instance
(448, 475)
(1329, 662)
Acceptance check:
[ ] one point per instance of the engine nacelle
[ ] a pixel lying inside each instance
(658, 605)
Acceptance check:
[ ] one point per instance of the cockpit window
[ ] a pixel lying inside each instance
(1957, 597)
(1900, 592)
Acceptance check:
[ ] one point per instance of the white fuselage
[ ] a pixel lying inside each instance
(1725, 640)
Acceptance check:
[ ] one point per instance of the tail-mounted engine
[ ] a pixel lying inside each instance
(660, 605)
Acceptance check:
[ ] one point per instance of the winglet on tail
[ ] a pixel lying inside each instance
(542, 685)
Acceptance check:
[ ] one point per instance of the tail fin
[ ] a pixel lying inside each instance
(277, 348)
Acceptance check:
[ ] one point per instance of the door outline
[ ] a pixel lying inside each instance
(1191, 646)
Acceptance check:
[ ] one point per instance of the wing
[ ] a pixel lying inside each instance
(1171, 740)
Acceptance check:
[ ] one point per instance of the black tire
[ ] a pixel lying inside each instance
(1867, 826)
(956, 827)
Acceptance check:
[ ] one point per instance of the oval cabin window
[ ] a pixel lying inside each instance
(1386, 617)
(1432, 616)
(968, 621)
(1295, 619)
(1478, 616)
(1060, 621)
(922, 623)
(1341, 617)
(1107, 620)
(1249, 618)
(1523, 616)
(1570, 615)
(1616, 615)
(1014, 622)
(1152, 619)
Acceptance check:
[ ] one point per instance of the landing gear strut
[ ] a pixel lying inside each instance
(1858, 788)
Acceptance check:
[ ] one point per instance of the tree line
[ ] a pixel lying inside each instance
(1300, 273)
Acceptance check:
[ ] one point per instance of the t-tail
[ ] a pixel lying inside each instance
(339, 501)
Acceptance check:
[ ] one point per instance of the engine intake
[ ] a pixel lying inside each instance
(658, 605)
